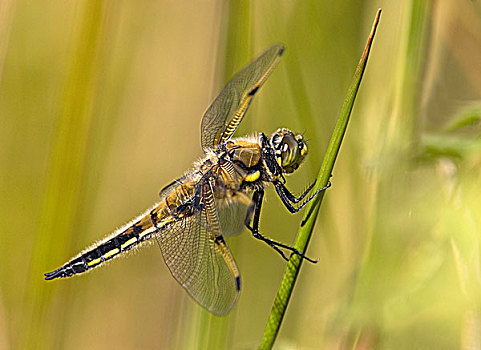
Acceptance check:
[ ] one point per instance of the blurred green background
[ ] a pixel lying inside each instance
(100, 107)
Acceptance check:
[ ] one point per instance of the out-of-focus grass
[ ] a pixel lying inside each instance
(93, 124)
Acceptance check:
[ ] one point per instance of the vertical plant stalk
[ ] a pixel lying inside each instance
(294, 264)
(67, 163)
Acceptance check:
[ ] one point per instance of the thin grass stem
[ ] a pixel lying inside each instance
(294, 264)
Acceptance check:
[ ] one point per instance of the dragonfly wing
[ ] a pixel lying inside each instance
(224, 115)
(232, 217)
(199, 259)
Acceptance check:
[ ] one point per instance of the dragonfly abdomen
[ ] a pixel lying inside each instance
(127, 237)
(123, 240)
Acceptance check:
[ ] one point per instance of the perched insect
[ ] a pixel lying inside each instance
(220, 195)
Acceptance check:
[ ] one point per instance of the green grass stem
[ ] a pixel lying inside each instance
(294, 264)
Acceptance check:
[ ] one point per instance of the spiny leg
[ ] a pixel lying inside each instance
(255, 209)
(290, 196)
(287, 197)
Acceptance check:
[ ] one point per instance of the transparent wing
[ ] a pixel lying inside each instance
(232, 217)
(200, 261)
(224, 115)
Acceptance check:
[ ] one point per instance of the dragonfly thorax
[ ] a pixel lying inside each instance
(290, 148)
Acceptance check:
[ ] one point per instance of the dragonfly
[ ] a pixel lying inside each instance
(219, 196)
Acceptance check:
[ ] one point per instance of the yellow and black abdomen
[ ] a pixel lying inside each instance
(123, 240)
(139, 230)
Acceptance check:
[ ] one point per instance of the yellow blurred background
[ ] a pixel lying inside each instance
(100, 107)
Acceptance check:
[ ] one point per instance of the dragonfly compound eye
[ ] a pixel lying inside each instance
(290, 149)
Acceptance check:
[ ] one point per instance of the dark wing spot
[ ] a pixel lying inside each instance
(253, 91)
(219, 239)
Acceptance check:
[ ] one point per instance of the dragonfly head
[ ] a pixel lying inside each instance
(291, 149)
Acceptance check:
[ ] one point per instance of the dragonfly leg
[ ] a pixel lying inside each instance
(255, 210)
(288, 198)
